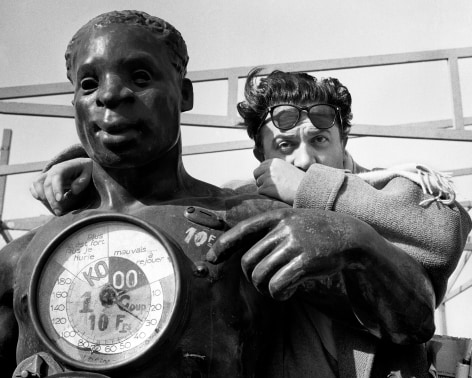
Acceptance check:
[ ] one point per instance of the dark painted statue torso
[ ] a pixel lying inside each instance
(222, 329)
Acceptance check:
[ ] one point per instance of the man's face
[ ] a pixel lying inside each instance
(304, 144)
(127, 96)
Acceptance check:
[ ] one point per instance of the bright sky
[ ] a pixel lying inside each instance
(228, 33)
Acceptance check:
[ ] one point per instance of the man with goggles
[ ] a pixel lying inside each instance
(307, 121)
(300, 126)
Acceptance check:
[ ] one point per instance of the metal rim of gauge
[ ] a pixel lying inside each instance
(70, 351)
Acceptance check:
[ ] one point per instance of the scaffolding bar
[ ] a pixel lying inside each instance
(38, 90)
(457, 291)
(4, 160)
(456, 93)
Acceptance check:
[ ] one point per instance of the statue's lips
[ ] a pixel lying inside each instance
(117, 135)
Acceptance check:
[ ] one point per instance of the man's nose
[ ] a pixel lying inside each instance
(304, 157)
(112, 92)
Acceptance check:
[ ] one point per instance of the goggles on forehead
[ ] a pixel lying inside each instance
(286, 116)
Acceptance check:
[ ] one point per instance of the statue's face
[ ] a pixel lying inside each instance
(127, 96)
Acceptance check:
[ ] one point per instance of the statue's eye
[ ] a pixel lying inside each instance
(141, 78)
(88, 84)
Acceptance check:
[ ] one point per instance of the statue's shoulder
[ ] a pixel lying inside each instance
(242, 206)
(10, 254)
(16, 247)
(228, 204)
(241, 186)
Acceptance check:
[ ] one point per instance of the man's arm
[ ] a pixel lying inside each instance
(413, 210)
(434, 234)
(63, 183)
(389, 292)
(64, 186)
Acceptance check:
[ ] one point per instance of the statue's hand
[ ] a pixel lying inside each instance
(288, 246)
(389, 292)
(59, 188)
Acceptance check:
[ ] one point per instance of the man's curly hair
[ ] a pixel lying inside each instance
(296, 88)
(170, 35)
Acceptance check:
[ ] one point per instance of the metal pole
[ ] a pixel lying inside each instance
(4, 159)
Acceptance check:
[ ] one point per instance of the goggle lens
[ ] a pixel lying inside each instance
(285, 117)
(322, 116)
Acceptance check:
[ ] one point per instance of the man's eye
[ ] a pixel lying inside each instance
(141, 78)
(88, 84)
(284, 146)
(320, 139)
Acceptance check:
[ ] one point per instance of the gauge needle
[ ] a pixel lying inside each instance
(121, 307)
(109, 296)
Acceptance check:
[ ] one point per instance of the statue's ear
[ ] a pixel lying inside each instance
(187, 95)
(258, 153)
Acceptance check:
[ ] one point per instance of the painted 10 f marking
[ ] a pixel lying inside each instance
(104, 320)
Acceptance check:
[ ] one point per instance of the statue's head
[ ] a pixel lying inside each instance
(128, 71)
(167, 33)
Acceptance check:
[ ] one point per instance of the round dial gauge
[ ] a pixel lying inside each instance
(106, 291)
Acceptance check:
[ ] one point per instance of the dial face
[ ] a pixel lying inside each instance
(105, 293)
